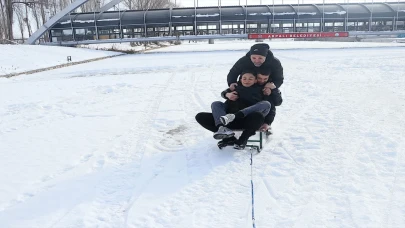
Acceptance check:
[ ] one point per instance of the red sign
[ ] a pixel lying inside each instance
(297, 35)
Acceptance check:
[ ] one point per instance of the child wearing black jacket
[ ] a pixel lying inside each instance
(250, 99)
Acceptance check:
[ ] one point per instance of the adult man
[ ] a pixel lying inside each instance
(258, 58)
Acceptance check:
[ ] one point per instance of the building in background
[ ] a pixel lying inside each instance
(230, 20)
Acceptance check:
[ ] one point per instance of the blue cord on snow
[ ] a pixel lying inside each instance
(251, 181)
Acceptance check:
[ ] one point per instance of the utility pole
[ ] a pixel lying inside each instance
(396, 21)
(371, 16)
(298, 18)
(272, 21)
(323, 16)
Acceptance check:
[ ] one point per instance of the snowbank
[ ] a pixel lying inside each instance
(22, 58)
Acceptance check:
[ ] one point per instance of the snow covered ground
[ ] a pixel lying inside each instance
(282, 44)
(124, 46)
(21, 58)
(114, 143)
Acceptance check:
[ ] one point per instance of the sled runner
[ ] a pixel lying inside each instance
(251, 143)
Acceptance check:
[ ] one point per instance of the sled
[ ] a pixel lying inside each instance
(252, 143)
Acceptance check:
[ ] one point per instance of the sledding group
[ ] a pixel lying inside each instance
(250, 100)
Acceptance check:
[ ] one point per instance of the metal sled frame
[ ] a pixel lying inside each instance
(260, 140)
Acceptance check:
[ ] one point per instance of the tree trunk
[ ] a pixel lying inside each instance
(20, 18)
(9, 19)
(35, 14)
(44, 19)
(28, 21)
(2, 21)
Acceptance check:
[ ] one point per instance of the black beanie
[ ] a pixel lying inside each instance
(260, 49)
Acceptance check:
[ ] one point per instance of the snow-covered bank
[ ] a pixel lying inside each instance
(125, 47)
(21, 58)
(240, 45)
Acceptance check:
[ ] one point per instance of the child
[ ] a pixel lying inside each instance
(250, 99)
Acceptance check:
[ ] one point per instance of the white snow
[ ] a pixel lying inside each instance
(307, 13)
(285, 13)
(114, 143)
(208, 15)
(124, 46)
(77, 21)
(337, 12)
(111, 19)
(21, 58)
(275, 44)
(182, 16)
(263, 14)
(70, 21)
(266, 14)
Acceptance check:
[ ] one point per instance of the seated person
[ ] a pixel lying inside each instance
(251, 102)
(265, 81)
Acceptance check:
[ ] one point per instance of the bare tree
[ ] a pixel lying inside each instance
(92, 6)
(147, 4)
(54, 7)
(44, 10)
(9, 18)
(35, 14)
(27, 21)
(152, 4)
(41, 10)
(130, 4)
(3, 24)
(20, 19)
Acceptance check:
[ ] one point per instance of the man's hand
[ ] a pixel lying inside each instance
(268, 87)
(266, 91)
(264, 127)
(233, 86)
(233, 96)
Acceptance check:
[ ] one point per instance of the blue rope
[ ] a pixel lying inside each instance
(251, 181)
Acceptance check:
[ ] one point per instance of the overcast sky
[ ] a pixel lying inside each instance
(188, 3)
